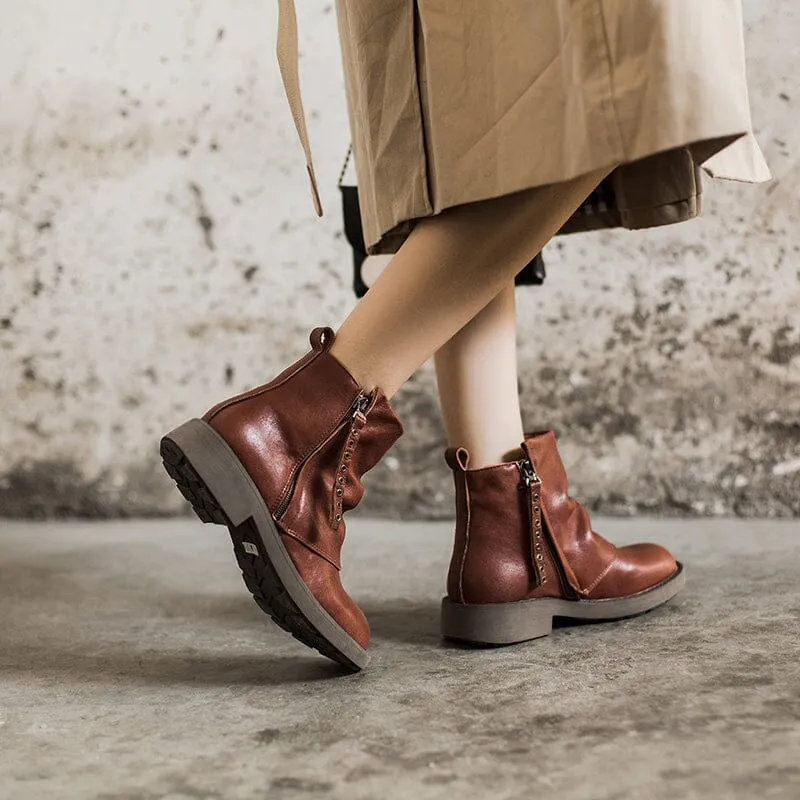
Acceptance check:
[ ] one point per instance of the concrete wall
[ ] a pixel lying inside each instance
(158, 251)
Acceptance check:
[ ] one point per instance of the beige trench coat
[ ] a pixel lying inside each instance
(451, 103)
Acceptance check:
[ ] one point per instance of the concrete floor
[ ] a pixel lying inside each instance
(134, 666)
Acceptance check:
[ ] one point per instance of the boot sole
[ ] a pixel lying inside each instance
(509, 623)
(211, 477)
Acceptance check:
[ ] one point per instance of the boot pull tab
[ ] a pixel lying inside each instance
(321, 338)
(457, 458)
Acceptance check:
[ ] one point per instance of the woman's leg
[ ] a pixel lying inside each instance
(476, 372)
(444, 274)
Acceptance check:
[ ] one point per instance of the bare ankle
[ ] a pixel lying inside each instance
(354, 366)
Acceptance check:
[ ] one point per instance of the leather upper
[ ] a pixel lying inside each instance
(492, 555)
(495, 548)
(306, 438)
(274, 427)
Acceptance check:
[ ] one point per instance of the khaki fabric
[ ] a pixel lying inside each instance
(451, 103)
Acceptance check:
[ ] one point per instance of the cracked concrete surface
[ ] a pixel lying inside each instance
(134, 666)
(159, 251)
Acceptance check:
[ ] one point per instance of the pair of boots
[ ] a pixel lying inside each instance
(281, 464)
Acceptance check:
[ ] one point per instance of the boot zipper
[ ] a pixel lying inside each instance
(529, 474)
(337, 493)
(533, 483)
(360, 403)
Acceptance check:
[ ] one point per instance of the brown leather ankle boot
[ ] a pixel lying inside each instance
(525, 552)
(280, 465)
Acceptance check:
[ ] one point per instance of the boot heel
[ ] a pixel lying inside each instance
(208, 473)
(496, 623)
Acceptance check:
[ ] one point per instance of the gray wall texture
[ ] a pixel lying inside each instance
(159, 251)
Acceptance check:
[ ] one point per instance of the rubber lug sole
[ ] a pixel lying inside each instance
(509, 623)
(220, 491)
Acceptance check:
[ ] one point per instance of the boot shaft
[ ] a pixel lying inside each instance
(273, 428)
(306, 438)
(497, 557)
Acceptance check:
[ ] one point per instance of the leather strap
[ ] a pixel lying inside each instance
(288, 62)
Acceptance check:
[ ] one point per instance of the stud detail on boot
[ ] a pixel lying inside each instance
(524, 557)
(533, 484)
(340, 497)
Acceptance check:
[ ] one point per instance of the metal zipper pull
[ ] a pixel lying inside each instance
(342, 473)
(529, 474)
(533, 483)
(362, 404)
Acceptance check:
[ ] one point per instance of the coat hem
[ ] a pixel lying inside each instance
(634, 217)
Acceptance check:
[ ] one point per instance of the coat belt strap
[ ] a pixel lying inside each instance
(288, 62)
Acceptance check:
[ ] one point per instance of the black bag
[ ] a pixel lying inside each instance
(532, 275)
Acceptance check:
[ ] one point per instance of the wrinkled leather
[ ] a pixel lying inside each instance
(637, 567)
(492, 558)
(299, 439)
(315, 494)
(324, 582)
